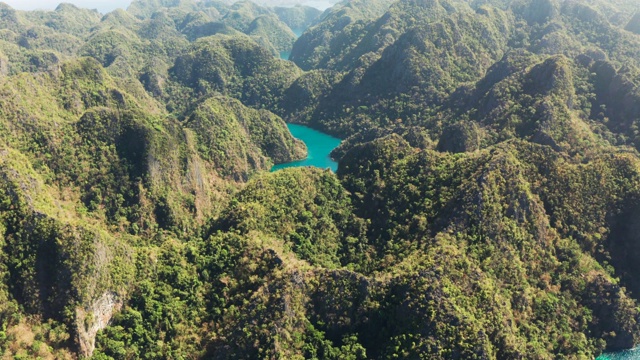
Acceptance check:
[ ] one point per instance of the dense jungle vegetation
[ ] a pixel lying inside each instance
(486, 205)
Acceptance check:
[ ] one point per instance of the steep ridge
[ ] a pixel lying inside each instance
(236, 66)
(270, 27)
(460, 210)
(401, 72)
(298, 18)
(339, 30)
(123, 171)
(484, 206)
(252, 139)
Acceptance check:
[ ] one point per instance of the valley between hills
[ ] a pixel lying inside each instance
(485, 204)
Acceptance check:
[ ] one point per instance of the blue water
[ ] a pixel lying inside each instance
(284, 55)
(632, 354)
(319, 145)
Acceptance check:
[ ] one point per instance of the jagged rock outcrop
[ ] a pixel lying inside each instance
(93, 318)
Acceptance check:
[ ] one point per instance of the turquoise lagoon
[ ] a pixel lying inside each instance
(319, 145)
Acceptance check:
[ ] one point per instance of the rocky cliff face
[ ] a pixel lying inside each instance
(95, 317)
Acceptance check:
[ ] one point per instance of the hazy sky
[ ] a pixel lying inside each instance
(103, 6)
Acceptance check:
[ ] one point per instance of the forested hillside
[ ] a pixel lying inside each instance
(485, 205)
